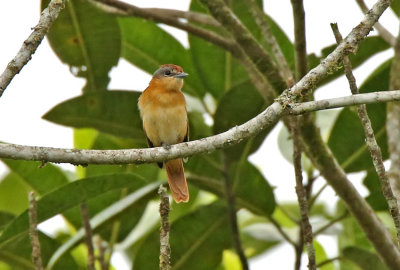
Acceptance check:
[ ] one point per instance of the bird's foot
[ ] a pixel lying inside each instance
(166, 146)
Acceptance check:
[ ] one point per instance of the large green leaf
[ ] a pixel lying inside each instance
(364, 259)
(42, 178)
(375, 197)
(237, 106)
(251, 189)
(18, 253)
(367, 48)
(147, 46)
(395, 6)
(13, 194)
(347, 139)
(107, 215)
(88, 40)
(68, 196)
(113, 112)
(197, 241)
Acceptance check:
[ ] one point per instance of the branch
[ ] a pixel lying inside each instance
(223, 140)
(372, 145)
(154, 15)
(349, 45)
(300, 38)
(88, 235)
(165, 249)
(383, 32)
(222, 13)
(48, 16)
(280, 59)
(33, 233)
(231, 205)
(306, 233)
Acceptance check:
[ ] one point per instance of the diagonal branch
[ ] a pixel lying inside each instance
(48, 16)
(372, 145)
(383, 32)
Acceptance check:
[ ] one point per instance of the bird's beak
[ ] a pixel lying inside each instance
(181, 75)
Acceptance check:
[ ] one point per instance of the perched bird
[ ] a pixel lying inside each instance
(163, 110)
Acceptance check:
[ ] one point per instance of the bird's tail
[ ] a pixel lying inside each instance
(177, 180)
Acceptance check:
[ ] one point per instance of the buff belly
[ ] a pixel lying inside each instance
(165, 125)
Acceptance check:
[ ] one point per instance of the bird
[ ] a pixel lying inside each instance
(163, 111)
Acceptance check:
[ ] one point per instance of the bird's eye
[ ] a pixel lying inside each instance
(167, 73)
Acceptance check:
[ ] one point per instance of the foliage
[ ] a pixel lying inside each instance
(91, 42)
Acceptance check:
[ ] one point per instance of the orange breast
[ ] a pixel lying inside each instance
(164, 116)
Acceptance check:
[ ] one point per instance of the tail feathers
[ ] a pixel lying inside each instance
(177, 180)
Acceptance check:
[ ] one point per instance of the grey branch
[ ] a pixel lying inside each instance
(383, 32)
(373, 147)
(33, 233)
(212, 143)
(48, 16)
(88, 235)
(165, 249)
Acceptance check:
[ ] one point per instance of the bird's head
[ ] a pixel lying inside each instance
(169, 76)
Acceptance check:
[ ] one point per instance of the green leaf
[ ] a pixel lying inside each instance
(251, 189)
(88, 40)
(320, 256)
(347, 139)
(367, 48)
(197, 241)
(395, 6)
(147, 46)
(375, 197)
(107, 215)
(13, 194)
(18, 253)
(42, 178)
(68, 196)
(113, 112)
(364, 259)
(237, 106)
(5, 217)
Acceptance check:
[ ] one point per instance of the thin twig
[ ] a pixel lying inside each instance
(48, 16)
(88, 235)
(280, 230)
(165, 249)
(331, 260)
(270, 39)
(372, 145)
(383, 32)
(102, 251)
(33, 232)
(231, 205)
(330, 223)
(393, 123)
(300, 38)
(306, 234)
(316, 195)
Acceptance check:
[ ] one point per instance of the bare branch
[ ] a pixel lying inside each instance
(165, 249)
(383, 32)
(33, 233)
(231, 205)
(372, 145)
(331, 223)
(306, 233)
(88, 235)
(48, 16)
(212, 143)
(300, 38)
(280, 60)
